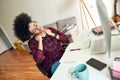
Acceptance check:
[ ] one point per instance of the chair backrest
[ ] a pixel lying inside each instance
(44, 72)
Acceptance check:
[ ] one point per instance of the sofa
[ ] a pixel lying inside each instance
(59, 24)
(67, 26)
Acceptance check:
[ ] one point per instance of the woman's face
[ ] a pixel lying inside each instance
(35, 28)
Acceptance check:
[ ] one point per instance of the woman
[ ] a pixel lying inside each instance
(45, 44)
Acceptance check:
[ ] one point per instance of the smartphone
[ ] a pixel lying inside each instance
(96, 64)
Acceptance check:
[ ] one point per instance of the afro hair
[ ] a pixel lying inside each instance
(21, 27)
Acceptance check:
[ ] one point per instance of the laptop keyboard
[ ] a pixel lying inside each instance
(98, 46)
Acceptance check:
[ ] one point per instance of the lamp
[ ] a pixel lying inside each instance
(83, 7)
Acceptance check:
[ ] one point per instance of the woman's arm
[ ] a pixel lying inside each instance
(49, 32)
(37, 50)
(39, 39)
(60, 36)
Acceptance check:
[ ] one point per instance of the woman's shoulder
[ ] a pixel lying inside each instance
(51, 28)
(32, 39)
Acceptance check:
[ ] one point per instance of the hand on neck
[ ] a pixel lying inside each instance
(43, 33)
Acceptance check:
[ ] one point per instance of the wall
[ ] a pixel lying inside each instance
(42, 11)
(4, 41)
(118, 6)
(92, 9)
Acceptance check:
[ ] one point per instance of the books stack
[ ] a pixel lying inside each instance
(116, 68)
(98, 30)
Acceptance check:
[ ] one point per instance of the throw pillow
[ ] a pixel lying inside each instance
(51, 25)
(73, 31)
(61, 23)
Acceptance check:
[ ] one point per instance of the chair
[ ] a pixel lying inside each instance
(54, 67)
(43, 71)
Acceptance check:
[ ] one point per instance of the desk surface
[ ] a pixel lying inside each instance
(71, 58)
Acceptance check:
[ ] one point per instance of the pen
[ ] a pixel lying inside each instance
(75, 49)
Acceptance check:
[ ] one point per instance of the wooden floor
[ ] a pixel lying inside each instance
(19, 65)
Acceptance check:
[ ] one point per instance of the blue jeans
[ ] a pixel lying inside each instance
(54, 66)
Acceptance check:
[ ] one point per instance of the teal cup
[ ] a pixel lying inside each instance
(80, 72)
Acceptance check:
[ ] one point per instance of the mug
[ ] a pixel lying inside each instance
(80, 72)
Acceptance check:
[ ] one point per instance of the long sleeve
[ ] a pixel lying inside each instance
(52, 49)
(62, 37)
(37, 53)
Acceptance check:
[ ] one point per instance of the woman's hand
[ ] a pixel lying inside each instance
(38, 37)
(49, 32)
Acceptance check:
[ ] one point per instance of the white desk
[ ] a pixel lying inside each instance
(72, 58)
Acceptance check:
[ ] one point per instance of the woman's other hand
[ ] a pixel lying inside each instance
(38, 37)
(49, 32)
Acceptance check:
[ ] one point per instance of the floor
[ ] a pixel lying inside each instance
(19, 65)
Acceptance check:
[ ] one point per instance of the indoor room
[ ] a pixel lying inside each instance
(36, 34)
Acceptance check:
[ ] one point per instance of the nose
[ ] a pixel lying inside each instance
(38, 26)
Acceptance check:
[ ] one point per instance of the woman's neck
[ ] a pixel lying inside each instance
(43, 34)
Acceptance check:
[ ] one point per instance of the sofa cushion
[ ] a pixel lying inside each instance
(73, 31)
(62, 23)
(54, 25)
